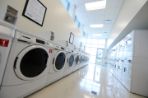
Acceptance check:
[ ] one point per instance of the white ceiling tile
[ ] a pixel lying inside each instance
(98, 16)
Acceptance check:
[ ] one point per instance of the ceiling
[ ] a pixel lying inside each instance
(105, 16)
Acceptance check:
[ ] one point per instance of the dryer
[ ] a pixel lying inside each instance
(6, 37)
(26, 69)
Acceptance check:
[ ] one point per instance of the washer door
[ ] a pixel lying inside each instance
(31, 62)
(71, 60)
(77, 59)
(59, 61)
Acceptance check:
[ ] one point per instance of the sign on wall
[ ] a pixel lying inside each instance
(35, 11)
(11, 15)
(71, 38)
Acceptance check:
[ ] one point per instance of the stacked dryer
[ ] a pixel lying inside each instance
(26, 67)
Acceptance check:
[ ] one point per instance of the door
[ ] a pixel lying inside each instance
(71, 60)
(31, 62)
(99, 56)
(59, 61)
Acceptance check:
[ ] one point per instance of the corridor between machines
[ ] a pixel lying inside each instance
(88, 82)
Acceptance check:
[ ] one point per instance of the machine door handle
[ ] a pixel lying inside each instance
(24, 41)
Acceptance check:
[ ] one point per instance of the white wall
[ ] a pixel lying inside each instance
(129, 9)
(140, 21)
(56, 19)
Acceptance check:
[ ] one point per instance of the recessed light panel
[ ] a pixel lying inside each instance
(96, 25)
(95, 5)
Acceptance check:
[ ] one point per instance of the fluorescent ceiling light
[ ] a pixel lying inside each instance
(95, 5)
(96, 25)
(95, 35)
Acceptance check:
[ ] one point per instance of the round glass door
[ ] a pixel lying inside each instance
(77, 59)
(31, 62)
(60, 61)
(71, 60)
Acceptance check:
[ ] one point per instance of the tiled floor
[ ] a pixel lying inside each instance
(89, 82)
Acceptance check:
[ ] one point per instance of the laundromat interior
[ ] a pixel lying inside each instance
(73, 49)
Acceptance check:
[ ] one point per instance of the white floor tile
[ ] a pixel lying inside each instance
(89, 82)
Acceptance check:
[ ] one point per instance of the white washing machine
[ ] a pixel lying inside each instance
(85, 59)
(69, 61)
(51, 48)
(77, 59)
(26, 68)
(70, 58)
(57, 64)
(82, 59)
(6, 36)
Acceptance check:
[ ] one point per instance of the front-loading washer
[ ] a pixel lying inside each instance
(82, 59)
(85, 59)
(82, 62)
(70, 59)
(57, 64)
(69, 62)
(26, 69)
(6, 37)
(77, 59)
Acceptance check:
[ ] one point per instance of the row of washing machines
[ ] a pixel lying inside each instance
(29, 63)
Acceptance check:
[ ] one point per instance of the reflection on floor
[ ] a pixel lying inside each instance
(90, 82)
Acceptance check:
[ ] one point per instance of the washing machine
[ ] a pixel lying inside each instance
(70, 59)
(69, 66)
(57, 64)
(86, 59)
(83, 59)
(77, 59)
(26, 68)
(6, 37)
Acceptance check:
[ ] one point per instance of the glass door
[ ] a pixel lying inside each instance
(99, 56)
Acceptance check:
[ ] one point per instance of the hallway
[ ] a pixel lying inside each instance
(89, 82)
